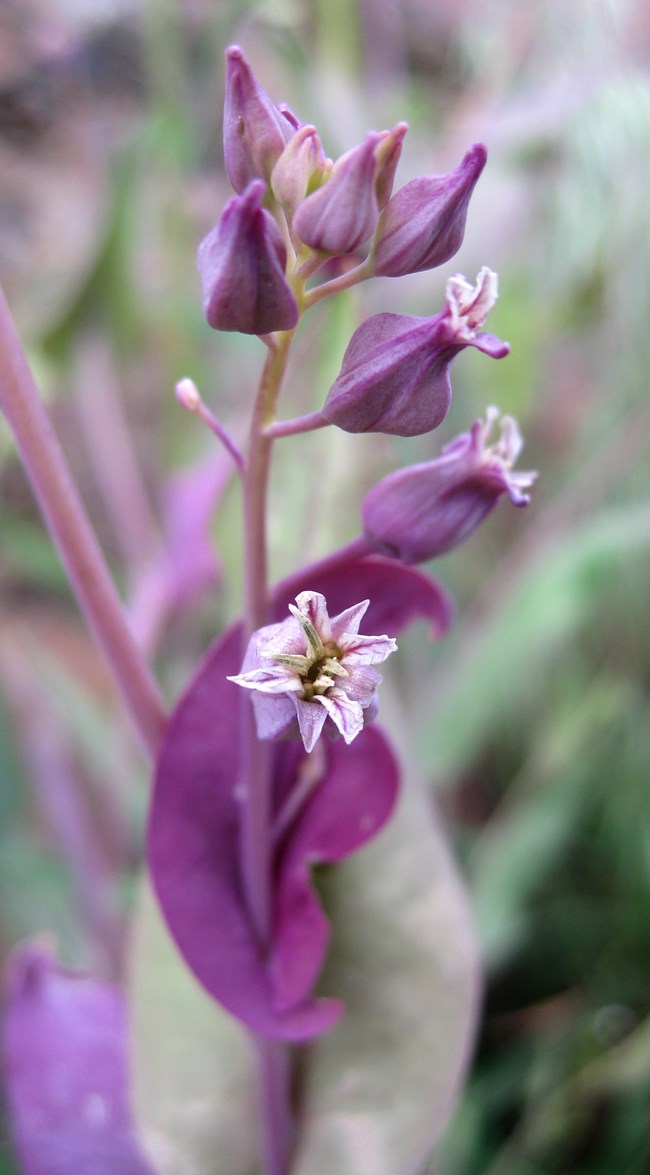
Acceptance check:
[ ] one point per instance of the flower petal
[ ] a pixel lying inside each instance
(367, 650)
(313, 607)
(348, 621)
(279, 679)
(346, 713)
(311, 719)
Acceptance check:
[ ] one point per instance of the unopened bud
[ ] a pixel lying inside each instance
(343, 213)
(188, 395)
(299, 168)
(255, 131)
(242, 266)
(424, 223)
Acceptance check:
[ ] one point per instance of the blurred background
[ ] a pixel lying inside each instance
(530, 720)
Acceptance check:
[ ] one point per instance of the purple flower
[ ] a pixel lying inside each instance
(395, 372)
(424, 223)
(429, 509)
(342, 214)
(255, 131)
(65, 1052)
(325, 806)
(242, 264)
(311, 667)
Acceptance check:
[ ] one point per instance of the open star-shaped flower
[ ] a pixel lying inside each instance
(311, 667)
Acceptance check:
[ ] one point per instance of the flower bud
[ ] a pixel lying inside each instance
(255, 131)
(242, 263)
(429, 509)
(299, 168)
(343, 213)
(395, 373)
(424, 223)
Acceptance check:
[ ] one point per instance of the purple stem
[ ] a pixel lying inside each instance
(74, 537)
(191, 399)
(256, 843)
(344, 281)
(289, 428)
(110, 447)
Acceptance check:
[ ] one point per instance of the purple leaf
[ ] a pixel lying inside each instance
(398, 595)
(255, 131)
(353, 802)
(194, 825)
(66, 1070)
(194, 857)
(339, 216)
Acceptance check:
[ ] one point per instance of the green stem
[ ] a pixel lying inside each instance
(344, 281)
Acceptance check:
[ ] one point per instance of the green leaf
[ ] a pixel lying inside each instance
(380, 1086)
(195, 1101)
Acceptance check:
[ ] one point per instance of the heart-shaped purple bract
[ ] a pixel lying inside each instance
(194, 833)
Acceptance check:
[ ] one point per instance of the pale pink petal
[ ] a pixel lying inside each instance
(314, 607)
(274, 714)
(287, 637)
(276, 680)
(311, 720)
(362, 683)
(366, 650)
(346, 714)
(348, 622)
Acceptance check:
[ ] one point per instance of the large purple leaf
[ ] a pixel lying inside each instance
(377, 1090)
(194, 824)
(345, 811)
(66, 1070)
(398, 594)
(194, 857)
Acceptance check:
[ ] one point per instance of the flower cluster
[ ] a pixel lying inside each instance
(295, 209)
(253, 786)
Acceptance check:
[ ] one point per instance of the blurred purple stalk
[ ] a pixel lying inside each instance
(273, 1058)
(74, 537)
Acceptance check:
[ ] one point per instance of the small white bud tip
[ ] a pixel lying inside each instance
(187, 395)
